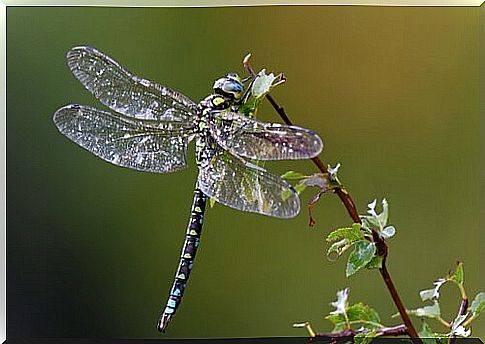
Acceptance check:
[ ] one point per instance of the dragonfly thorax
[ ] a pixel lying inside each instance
(205, 145)
(215, 102)
(227, 91)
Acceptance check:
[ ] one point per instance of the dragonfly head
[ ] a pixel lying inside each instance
(229, 86)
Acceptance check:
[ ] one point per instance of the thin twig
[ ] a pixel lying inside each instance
(345, 333)
(464, 300)
(443, 322)
(463, 306)
(398, 330)
(349, 204)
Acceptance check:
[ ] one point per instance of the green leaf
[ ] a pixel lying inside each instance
(285, 194)
(458, 274)
(367, 222)
(300, 187)
(426, 331)
(364, 313)
(375, 263)
(362, 254)
(427, 334)
(212, 202)
(344, 239)
(359, 313)
(371, 222)
(356, 226)
(427, 311)
(351, 234)
(365, 337)
(339, 323)
(339, 247)
(336, 319)
(249, 107)
(290, 175)
(478, 304)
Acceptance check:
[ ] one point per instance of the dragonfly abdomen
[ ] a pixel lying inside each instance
(189, 250)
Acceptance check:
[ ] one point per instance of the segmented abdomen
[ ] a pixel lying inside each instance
(189, 250)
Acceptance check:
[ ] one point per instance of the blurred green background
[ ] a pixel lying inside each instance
(92, 248)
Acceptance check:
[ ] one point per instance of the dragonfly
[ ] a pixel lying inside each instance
(150, 127)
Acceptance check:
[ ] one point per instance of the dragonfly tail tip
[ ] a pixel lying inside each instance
(163, 322)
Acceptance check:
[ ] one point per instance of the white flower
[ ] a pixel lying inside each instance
(372, 208)
(461, 331)
(341, 303)
(430, 294)
(458, 329)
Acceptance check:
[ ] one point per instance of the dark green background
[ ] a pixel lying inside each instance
(92, 248)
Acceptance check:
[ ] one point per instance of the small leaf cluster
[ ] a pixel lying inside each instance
(378, 222)
(325, 182)
(358, 239)
(459, 326)
(346, 316)
(359, 319)
(262, 84)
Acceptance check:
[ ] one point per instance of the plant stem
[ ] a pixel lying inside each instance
(463, 307)
(397, 300)
(469, 321)
(462, 291)
(349, 204)
(398, 330)
(444, 322)
(464, 301)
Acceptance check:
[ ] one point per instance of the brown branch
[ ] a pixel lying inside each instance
(463, 306)
(398, 330)
(343, 334)
(349, 204)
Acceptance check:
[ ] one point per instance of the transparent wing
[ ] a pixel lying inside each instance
(124, 92)
(125, 141)
(257, 140)
(244, 186)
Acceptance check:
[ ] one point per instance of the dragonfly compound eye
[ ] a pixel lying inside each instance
(229, 86)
